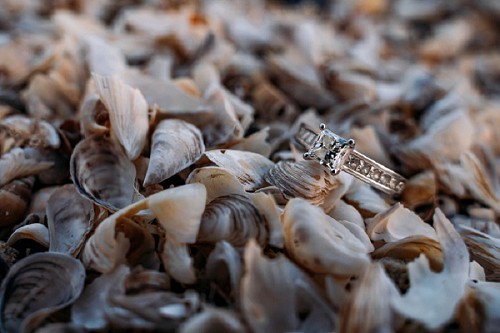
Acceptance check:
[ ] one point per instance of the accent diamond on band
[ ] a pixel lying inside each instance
(337, 153)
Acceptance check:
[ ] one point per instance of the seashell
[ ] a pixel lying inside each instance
(15, 164)
(420, 194)
(213, 320)
(266, 205)
(365, 199)
(410, 248)
(102, 57)
(102, 172)
(277, 297)
(483, 248)
(368, 143)
(176, 145)
(177, 261)
(69, 218)
(36, 287)
(143, 280)
(397, 223)
(345, 212)
(218, 182)
(349, 86)
(94, 117)
(321, 244)
(224, 268)
(255, 143)
(179, 211)
(36, 232)
(58, 173)
(478, 311)
(128, 113)
(433, 297)
(248, 167)
(27, 131)
(369, 307)
(303, 179)
(270, 103)
(421, 11)
(40, 198)
(233, 218)
(15, 198)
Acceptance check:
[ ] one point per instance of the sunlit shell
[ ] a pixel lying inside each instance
(321, 244)
(69, 219)
(102, 172)
(175, 146)
(38, 286)
(233, 218)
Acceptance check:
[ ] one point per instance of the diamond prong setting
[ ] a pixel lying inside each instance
(330, 150)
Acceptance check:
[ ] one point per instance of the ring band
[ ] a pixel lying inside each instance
(338, 154)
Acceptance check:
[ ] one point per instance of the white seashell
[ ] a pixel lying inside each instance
(102, 57)
(321, 244)
(38, 286)
(365, 199)
(128, 113)
(223, 265)
(69, 220)
(179, 211)
(218, 182)
(35, 231)
(277, 297)
(177, 262)
(345, 212)
(267, 206)
(102, 172)
(250, 168)
(213, 320)
(369, 308)
(15, 164)
(175, 146)
(255, 143)
(397, 223)
(368, 143)
(93, 115)
(433, 297)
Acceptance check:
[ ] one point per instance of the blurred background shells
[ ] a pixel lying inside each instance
(150, 180)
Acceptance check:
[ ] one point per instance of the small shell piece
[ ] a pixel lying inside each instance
(397, 223)
(69, 218)
(177, 261)
(278, 297)
(128, 113)
(15, 164)
(248, 167)
(15, 198)
(304, 179)
(483, 248)
(36, 287)
(176, 145)
(102, 172)
(433, 297)
(369, 308)
(27, 131)
(233, 218)
(218, 182)
(321, 244)
(213, 320)
(36, 232)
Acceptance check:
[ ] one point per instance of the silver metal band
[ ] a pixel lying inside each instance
(359, 166)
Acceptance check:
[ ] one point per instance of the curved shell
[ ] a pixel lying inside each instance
(176, 145)
(213, 320)
(232, 218)
(31, 131)
(304, 179)
(15, 198)
(225, 269)
(321, 244)
(102, 172)
(35, 231)
(218, 182)
(250, 168)
(128, 113)
(16, 164)
(69, 219)
(37, 286)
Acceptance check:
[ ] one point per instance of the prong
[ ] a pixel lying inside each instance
(322, 162)
(322, 126)
(351, 143)
(307, 156)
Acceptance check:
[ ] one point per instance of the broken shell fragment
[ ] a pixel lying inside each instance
(176, 145)
(15, 198)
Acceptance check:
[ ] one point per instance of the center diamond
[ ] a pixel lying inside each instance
(330, 150)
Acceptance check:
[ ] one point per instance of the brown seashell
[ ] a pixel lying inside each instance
(420, 194)
(483, 248)
(102, 172)
(38, 286)
(69, 218)
(250, 168)
(175, 146)
(410, 248)
(15, 198)
(16, 164)
(304, 179)
(233, 218)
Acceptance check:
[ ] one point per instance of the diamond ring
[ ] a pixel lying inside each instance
(338, 154)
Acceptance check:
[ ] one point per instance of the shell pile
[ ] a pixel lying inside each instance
(149, 180)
